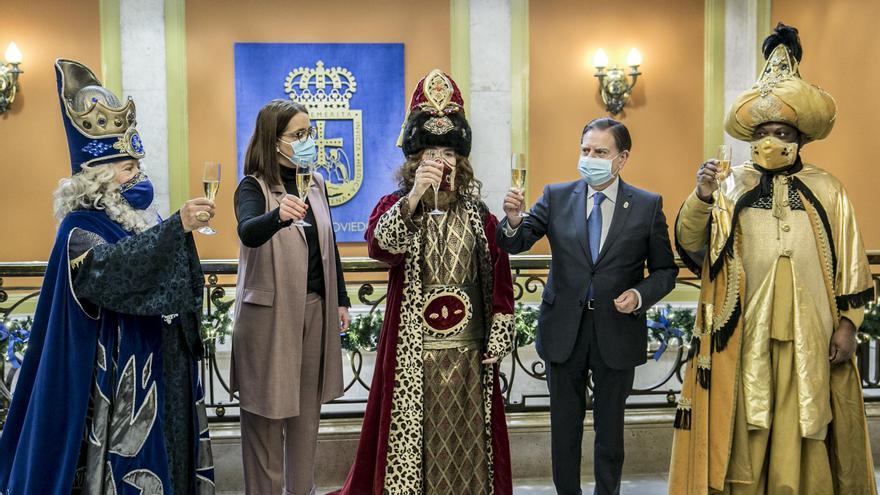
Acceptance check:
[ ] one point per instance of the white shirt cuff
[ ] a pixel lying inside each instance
(510, 231)
(639, 295)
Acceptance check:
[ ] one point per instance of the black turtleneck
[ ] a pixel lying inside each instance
(256, 226)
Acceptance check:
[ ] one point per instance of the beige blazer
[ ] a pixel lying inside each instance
(269, 313)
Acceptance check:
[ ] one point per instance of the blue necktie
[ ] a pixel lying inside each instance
(594, 225)
(594, 229)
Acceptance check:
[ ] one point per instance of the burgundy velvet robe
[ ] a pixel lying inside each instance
(367, 475)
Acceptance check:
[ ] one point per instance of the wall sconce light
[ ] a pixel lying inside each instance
(614, 86)
(9, 77)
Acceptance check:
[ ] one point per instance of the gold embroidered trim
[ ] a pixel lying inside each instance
(76, 262)
(438, 90)
(704, 362)
(438, 125)
(824, 247)
(465, 314)
(684, 404)
(722, 318)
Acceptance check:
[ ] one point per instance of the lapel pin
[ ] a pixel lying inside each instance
(626, 204)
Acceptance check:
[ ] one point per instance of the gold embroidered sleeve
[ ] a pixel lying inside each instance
(395, 230)
(853, 283)
(691, 228)
(501, 335)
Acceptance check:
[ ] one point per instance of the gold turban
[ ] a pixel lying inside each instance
(780, 95)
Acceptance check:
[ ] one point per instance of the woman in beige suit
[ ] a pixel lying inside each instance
(291, 306)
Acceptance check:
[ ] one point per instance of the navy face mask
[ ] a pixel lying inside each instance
(138, 192)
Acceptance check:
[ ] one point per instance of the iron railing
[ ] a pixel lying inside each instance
(522, 372)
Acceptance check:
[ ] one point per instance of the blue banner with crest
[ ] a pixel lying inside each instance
(356, 101)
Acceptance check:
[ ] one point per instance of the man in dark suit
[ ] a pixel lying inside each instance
(603, 232)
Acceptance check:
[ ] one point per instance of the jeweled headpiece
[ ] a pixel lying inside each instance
(100, 128)
(780, 95)
(436, 117)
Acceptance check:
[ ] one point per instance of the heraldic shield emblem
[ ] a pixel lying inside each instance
(327, 94)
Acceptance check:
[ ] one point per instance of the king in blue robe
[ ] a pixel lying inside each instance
(108, 399)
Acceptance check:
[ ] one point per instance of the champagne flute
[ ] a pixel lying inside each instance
(303, 184)
(518, 176)
(723, 157)
(435, 156)
(723, 161)
(211, 183)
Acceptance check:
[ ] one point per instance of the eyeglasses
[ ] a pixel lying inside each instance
(302, 134)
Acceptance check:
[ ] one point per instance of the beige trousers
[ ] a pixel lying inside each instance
(279, 454)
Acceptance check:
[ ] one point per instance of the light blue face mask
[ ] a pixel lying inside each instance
(304, 152)
(596, 171)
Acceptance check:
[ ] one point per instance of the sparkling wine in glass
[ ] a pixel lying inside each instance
(436, 156)
(303, 184)
(211, 183)
(723, 157)
(518, 175)
(723, 161)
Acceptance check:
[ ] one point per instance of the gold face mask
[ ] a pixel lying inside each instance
(773, 153)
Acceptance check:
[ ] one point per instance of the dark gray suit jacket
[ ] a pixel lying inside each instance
(638, 236)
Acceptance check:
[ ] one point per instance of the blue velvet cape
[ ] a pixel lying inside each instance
(87, 412)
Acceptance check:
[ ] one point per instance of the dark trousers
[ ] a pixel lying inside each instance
(568, 386)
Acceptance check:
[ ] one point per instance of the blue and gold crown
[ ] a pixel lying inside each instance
(100, 128)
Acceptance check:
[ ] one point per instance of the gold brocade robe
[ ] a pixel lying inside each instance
(780, 273)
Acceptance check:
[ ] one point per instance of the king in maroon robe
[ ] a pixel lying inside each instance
(435, 422)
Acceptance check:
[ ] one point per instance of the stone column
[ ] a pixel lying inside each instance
(740, 59)
(142, 29)
(489, 111)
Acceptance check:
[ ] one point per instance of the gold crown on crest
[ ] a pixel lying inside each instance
(320, 87)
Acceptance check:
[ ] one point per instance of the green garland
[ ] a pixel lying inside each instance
(669, 319)
(870, 329)
(14, 336)
(525, 321)
(363, 332)
(217, 325)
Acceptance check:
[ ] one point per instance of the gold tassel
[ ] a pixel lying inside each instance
(704, 371)
(695, 347)
(683, 414)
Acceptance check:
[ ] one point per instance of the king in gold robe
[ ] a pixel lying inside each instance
(763, 410)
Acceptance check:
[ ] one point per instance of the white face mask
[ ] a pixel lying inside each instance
(596, 171)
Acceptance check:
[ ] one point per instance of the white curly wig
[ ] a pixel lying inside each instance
(95, 188)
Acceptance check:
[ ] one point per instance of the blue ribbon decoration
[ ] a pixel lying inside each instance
(663, 324)
(13, 337)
